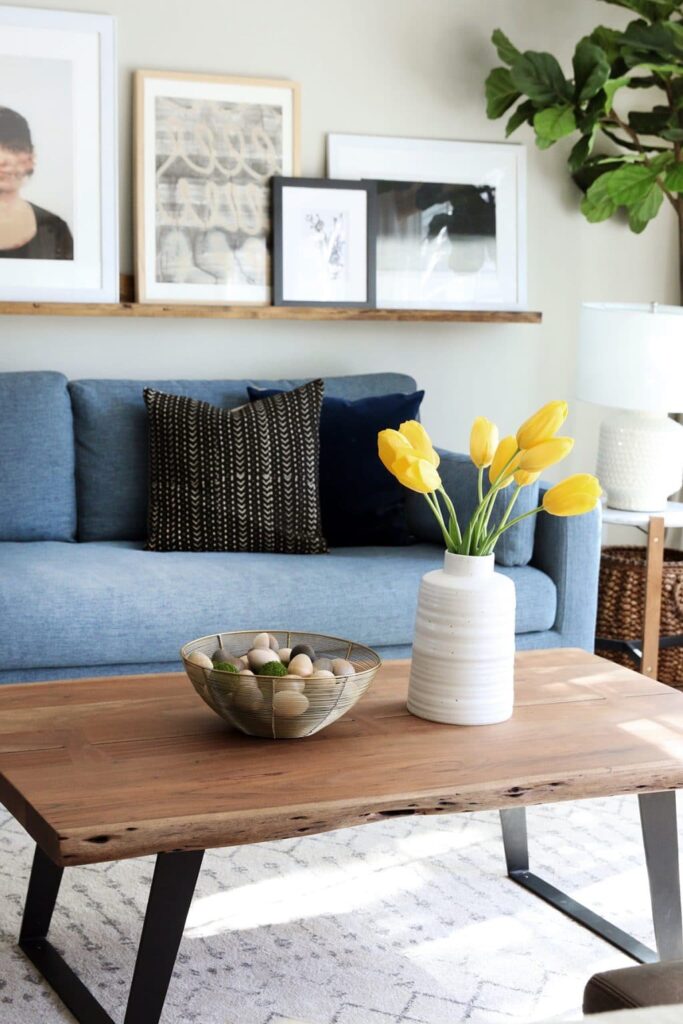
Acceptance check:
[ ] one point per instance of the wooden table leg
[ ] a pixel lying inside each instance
(653, 596)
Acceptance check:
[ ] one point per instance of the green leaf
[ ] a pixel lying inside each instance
(631, 183)
(540, 77)
(591, 70)
(597, 204)
(672, 134)
(501, 93)
(641, 213)
(663, 39)
(674, 179)
(647, 8)
(611, 87)
(554, 123)
(581, 151)
(522, 115)
(608, 41)
(505, 49)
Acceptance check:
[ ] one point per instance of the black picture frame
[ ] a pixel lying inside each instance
(280, 252)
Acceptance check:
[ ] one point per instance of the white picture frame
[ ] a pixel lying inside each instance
(58, 73)
(449, 270)
(203, 216)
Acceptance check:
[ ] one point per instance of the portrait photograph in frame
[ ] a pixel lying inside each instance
(58, 167)
(451, 219)
(324, 243)
(206, 149)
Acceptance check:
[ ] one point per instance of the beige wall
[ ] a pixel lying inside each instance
(404, 67)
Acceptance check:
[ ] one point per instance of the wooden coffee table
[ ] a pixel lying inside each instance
(104, 769)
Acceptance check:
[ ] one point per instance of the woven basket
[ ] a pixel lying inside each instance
(621, 606)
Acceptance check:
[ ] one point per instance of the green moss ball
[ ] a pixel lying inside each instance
(273, 668)
(225, 666)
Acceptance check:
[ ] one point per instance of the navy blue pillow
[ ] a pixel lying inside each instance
(361, 503)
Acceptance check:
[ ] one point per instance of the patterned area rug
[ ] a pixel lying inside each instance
(410, 921)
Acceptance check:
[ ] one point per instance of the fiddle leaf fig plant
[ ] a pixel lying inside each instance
(623, 159)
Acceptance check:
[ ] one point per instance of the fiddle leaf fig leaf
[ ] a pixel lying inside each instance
(554, 123)
(591, 70)
(611, 87)
(674, 179)
(641, 213)
(501, 93)
(581, 151)
(522, 115)
(597, 204)
(631, 183)
(505, 49)
(539, 76)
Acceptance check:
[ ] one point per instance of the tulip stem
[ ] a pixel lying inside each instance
(454, 526)
(433, 503)
(480, 484)
(493, 540)
(502, 525)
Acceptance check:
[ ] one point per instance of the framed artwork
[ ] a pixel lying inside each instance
(206, 148)
(58, 187)
(451, 219)
(323, 242)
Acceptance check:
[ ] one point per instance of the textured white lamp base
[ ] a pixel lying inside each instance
(640, 460)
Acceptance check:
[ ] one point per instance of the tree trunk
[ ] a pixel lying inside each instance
(679, 209)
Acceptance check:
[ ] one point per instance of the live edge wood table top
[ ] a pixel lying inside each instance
(105, 769)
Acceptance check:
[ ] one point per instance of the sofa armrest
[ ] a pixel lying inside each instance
(568, 550)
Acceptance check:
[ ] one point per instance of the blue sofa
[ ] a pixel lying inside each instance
(79, 595)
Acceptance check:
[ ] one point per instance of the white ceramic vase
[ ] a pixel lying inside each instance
(462, 668)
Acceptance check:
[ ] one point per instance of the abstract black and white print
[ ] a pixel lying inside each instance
(326, 239)
(214, 161)
(436, 228)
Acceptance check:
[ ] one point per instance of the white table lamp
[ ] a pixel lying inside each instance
(631, 358)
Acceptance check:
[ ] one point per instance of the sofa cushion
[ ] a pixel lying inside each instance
(112, 602)
(110, 424)
(459, 475)
(239, 480)
(361, 502)
(37, 486)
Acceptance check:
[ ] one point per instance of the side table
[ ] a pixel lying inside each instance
(653, 524)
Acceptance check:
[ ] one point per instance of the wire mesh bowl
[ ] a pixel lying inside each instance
(280, 707)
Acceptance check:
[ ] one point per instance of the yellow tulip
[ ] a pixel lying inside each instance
(504, 452)
(417, 474)
(574, 496)
(523, 477)
(543, 425)
(483, 442)
(545, 454)
(420, 441)
(391, 444)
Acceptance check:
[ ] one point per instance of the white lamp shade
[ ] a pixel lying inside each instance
(631, 356)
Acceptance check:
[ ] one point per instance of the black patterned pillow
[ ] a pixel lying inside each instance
(238, 480)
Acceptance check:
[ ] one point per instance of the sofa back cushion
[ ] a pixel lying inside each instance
(110, 424)
(37, 489)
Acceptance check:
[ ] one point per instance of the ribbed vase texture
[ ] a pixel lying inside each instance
(462, 668)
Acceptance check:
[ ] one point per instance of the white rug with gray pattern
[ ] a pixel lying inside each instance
(410, 921)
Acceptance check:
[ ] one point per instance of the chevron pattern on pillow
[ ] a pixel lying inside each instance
(238, 480)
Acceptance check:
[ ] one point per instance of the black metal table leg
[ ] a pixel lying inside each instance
(658, 816)
(173, 884)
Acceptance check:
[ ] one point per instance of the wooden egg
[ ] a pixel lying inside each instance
(351, 690)
(199, 658)
(248, 697)
(246, 672)
(285, 654)
(260, 656)
(289, 704)
(321, 684)
(274, 645)
(303, 649)
(341, 667)
(322, 665)
(300, 665)
(261, 640)
(289, 683)
(220, 654)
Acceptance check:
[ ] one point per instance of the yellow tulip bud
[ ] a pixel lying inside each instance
(483, 442)
(504, 452)
(420, 441)
(545, 454)
(391, 444)
(574, 496)
(523, 477)
(543, 425)
(417, 474)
